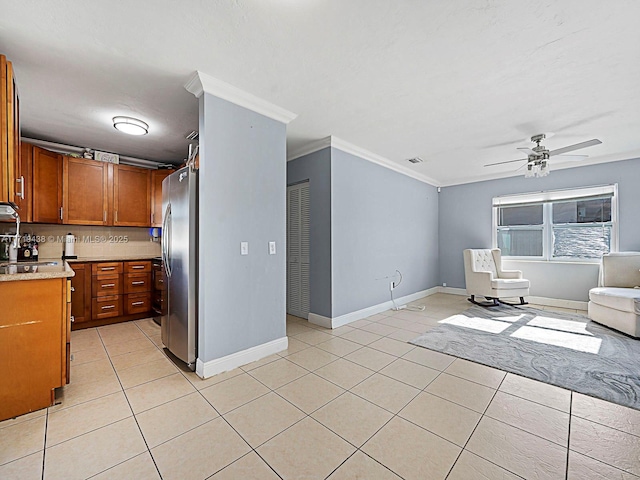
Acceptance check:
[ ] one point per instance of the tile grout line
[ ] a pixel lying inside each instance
(44, 445)
(132, 412)
(238, 433)
(566, 467)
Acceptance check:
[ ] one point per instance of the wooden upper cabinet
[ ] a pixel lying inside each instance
(9, 131)
(85, 191)
(24, 189)
(157, 176)
(47, 186)
(131, 202)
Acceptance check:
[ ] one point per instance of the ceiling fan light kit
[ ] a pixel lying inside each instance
(537, 169)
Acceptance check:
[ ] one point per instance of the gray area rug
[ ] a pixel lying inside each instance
(563, 349)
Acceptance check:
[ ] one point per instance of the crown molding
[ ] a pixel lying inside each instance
(312, 147)
(382, 161)
(335, 142)
(200, 83)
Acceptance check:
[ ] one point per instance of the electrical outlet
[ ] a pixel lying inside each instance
(272, 248)
(392, 285)
(444, 284)
(244, 248)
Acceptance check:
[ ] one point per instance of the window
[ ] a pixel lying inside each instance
(562, 225)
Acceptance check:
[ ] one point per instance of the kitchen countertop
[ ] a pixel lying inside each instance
(120, 258)
(41, 270)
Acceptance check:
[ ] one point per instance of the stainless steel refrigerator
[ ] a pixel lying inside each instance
(180, 260)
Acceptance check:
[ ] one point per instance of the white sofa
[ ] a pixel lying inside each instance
(484, 276)
(615, 302)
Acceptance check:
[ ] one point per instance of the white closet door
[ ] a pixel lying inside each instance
(298, 250)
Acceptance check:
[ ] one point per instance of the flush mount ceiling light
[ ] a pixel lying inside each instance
(130, 125)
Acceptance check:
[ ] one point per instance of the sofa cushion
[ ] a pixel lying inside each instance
(624, 299)
(509, 283)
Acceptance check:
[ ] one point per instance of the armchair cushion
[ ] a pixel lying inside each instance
(624, 299)
(508, 283)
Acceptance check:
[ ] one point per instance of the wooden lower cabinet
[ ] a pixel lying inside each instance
(34, 341)
(110, 292)
(81, 293)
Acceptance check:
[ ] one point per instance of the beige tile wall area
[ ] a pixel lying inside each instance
(93, 242)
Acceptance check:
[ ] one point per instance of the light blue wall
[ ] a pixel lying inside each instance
(242, 198)
(316, 168)
(465, 222)
(381, 221)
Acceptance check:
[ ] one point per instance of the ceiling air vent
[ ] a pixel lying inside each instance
(192, 136)
(415, 160)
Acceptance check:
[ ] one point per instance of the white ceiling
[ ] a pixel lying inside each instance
(458, 83)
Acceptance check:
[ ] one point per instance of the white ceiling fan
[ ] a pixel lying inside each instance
(537, 161)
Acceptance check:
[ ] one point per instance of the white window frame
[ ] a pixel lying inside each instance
(547, 198)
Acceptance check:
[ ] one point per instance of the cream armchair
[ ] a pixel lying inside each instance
(616, 301)
(484, 276)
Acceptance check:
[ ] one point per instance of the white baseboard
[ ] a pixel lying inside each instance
(546, 301)
(319, 320)
(558, 302)
(238, 359)
(367, 312)
(452, 290)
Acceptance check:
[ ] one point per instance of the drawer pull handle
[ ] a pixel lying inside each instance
(137, 267)
(137, 303)
(107, 307)
(160, 281)
(141, 282)
(108, 285)
(107, 268)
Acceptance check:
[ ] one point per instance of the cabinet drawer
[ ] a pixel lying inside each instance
(106, 267)
(106, 307)
(142, 266)
(106, 285)
(137, 282)
(137, 303)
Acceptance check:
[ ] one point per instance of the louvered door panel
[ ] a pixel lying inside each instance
(298, 250)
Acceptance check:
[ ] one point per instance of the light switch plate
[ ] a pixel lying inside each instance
(244, 248)
(272, 248)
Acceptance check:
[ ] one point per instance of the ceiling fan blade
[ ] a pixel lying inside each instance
(574, 158)
(577, 146)
(528, 151)
(508, 161)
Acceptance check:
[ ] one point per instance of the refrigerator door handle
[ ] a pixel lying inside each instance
(166, 238)
(169, 240)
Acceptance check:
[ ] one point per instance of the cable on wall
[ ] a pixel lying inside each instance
(413, 308)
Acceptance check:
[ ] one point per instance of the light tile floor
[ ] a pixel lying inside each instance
(355, 402)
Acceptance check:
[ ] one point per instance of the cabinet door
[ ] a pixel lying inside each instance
(4, 132)
(157, 176)
(13, 131)
(131, 202)
(81, 293)
(47, 186)
(24, 188)
(84, 191)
